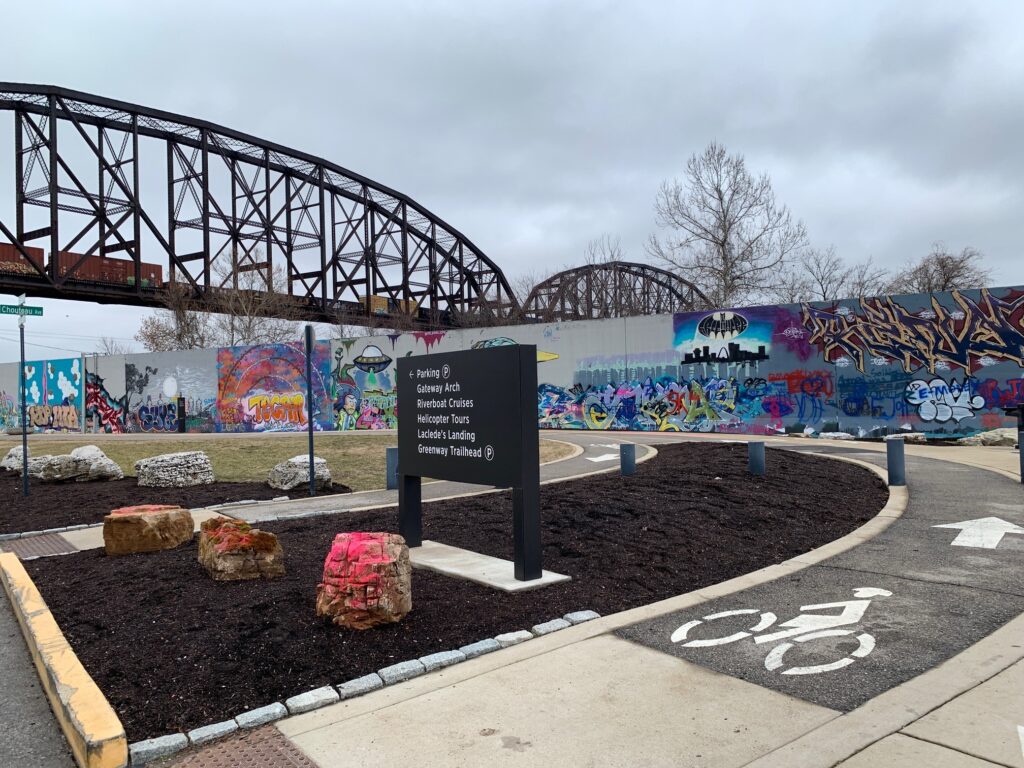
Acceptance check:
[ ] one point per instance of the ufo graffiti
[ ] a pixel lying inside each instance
(372, 360)
(505, 341)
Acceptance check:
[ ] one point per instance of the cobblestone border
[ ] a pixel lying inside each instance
(162, 746)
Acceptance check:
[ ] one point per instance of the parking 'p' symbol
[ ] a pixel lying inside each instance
(488, 453)
(445, 371)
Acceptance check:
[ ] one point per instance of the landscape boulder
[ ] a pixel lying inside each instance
(918, 438)
(294, 473)
(146, 528)
(12, 461)
(84, 464)
(175, 470)
(232, 550)
(367, 580)
(836, 436)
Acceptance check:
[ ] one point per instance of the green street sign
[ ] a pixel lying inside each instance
(18, 309)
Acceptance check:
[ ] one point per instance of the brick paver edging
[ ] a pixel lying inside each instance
(162, 746)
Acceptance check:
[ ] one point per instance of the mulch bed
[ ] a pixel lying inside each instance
(57, 505)
(173, 650)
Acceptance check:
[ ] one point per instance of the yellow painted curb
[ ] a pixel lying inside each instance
(91, 726)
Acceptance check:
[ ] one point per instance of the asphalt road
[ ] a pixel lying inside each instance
(943, 598)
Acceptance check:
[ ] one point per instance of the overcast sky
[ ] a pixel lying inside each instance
(535, 127)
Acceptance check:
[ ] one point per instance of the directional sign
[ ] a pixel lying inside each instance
(984, 533)
(17, 309)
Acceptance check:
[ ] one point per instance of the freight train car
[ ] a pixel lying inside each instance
(13, 262)
(100, 269)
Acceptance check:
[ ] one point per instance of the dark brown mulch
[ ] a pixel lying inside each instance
(173, 650)
(57, 505)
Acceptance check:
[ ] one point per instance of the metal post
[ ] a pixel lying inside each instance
(391, 471)
(896, 462)
(24, 419)
(410, 510)
(309, 406)
(82, 418)
(527, 548)
(755, 458)
(627, 459)
(1020, 449)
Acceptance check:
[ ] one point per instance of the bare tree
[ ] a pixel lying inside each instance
(865, 278)
(819, 274)
(112, 346)
(182, 325)
(727, 235)
(942, 270)
(242, 307)
(602, 250)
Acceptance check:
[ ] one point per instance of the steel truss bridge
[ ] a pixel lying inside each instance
(101, 179)
(611, 289)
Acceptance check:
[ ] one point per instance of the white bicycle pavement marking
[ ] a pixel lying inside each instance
(982, 533)
(802, 628)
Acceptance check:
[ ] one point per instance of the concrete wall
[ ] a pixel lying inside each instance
(944, 364)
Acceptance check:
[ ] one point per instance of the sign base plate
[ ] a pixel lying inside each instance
(472, 566)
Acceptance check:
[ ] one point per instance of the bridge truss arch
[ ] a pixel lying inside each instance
(611, 289)
(117, 193)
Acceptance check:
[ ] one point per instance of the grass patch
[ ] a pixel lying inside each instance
(355, 460)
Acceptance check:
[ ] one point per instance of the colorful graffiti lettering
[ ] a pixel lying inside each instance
(58, 417)
(9, 418)
(158, 417)
(107, 412)
(938, 400)
(971, 336)
(263, 388)
(277, 410)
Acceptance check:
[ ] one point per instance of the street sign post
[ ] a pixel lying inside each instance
(22, 311)
(19, 309)
(471, 417)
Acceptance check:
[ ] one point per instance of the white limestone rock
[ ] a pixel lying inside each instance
(85, 464)
(835, 436)
(12, 461)
(175, 470)
(294, 473)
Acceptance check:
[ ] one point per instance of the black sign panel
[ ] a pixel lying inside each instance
(469, 416)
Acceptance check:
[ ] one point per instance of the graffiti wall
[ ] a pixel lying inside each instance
(53, 396)
(945, 364)
(263, 388)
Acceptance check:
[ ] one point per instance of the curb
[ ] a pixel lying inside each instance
(90, 725)
(143, 752)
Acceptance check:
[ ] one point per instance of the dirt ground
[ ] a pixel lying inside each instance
(173, 650)
(57, 505)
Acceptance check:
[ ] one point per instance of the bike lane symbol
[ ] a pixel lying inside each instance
(803, 628)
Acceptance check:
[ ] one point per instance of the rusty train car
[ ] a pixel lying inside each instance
(94, 269)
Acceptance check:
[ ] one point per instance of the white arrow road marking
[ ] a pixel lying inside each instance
(604, 457)
(985, 532)
(605, 445)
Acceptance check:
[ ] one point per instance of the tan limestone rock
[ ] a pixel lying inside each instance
(367, 580)
(232, 550)
(146, 528)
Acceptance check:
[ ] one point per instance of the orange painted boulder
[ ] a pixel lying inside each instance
(146, 528)
(367, 580)
(232, 550)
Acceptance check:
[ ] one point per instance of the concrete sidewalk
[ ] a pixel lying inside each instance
(942, 688)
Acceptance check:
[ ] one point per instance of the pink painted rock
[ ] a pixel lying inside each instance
(232, 550)
(367, 580)
(146, 528)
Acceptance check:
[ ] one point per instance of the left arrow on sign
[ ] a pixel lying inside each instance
(985, 532)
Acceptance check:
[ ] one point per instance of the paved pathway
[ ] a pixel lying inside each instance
(29, 734)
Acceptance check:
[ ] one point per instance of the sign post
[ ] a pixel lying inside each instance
(21, 311)
(310, 341)
(471, 417)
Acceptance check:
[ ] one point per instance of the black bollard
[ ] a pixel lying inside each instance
(896, 462)
(755, 458)
(627, 458)
(391, 470)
